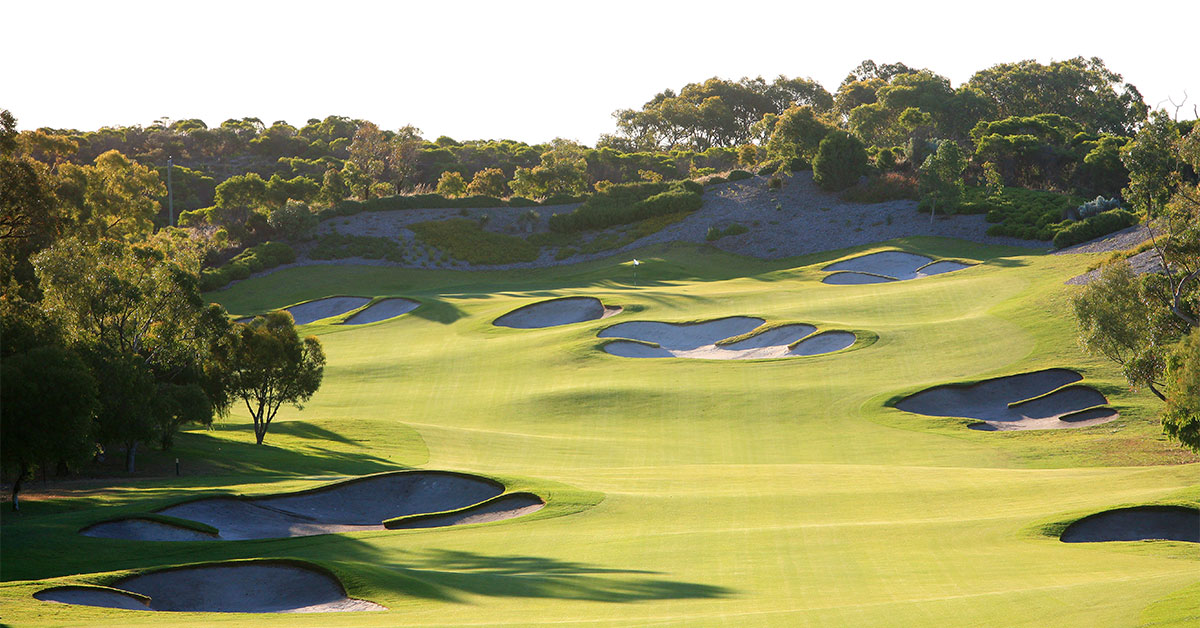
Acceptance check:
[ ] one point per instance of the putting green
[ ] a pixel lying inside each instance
(679, 492)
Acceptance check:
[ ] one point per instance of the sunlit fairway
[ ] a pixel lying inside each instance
(679, 492)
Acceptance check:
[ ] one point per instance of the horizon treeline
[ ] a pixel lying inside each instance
(1058, 127)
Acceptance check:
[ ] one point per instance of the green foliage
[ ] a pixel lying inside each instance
(1094, 227)
(292, 221)
(1181, 418)
(1017, 212)
(889, 186)
(1081, 89)
(1121, 316)
(739, 175)
(630, 202)
(269, 365)
(716, 233)
(563, 170)
(797, 135)
(255, 259)
(451, 184)
(463, 239)
(50, 395)
(941, 177)
(1095, 206)
(488, 182)
(840, 160)
(341, 246)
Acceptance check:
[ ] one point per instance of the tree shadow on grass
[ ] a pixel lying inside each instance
(298, 429)
(437, 311)
(445, 574)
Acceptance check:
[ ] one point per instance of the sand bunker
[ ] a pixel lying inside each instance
(306, 313)
(350, 506)
(711, 340)
(502, 507)
(244, 587)
(145, 530)
(1140, 523)
(1039, 400)
(556, 312)
(887, 266)
(383, 310)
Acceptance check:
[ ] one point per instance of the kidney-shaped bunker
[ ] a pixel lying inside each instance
(732, 338)
(237, 587)
(305, 313)
(887, 266)
(1047, 399)
(383, 310)
(1139, 523)
(354, 505)
(556, 312)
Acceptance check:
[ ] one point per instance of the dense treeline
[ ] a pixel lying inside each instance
(106, 342)
(1057, 127)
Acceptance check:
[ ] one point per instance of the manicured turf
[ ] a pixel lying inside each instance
(680, 492)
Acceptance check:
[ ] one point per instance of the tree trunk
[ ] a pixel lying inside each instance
(1154, 390)
(16, 503)
(130, 455)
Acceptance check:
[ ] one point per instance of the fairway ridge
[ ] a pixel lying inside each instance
(502, 507)
(142, 529)
(349, 506)
(886, 267)
(305, 313)
(715, 340)
(382, 310)
(1137, 523)
(237, 587)
(1037, 400)
(555, 312)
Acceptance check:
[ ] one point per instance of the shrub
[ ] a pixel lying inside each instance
(840, 160)
(488, 182)
(254, 259)
(889, 186)
(1099, 225)
(775, 183)
(716, 233)
(451, 184)
(739, 175)
(339, 246)
(1092, 208)
(463, 239)
(293, 220)
(629, 202)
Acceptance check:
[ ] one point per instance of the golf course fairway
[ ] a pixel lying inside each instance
(679, 492)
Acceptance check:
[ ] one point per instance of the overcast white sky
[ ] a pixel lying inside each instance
(530, 71)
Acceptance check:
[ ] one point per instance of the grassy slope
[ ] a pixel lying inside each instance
(734, 494)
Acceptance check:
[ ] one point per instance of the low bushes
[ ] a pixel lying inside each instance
(463, 239)
(254, 259)
(716, 233)
(1019, 213)
(339, 246)
(890, 186)
(1101, 224)
(629, 202)
(436, 201)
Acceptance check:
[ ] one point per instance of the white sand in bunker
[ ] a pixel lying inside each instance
(556, 312)
(145, 530)
(887, 266)
(1139, 523)
(383, 310)
(350, 506)
(503, 507)
(242, 587)
(1039, 400)
(708, 340)
(306, 313)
